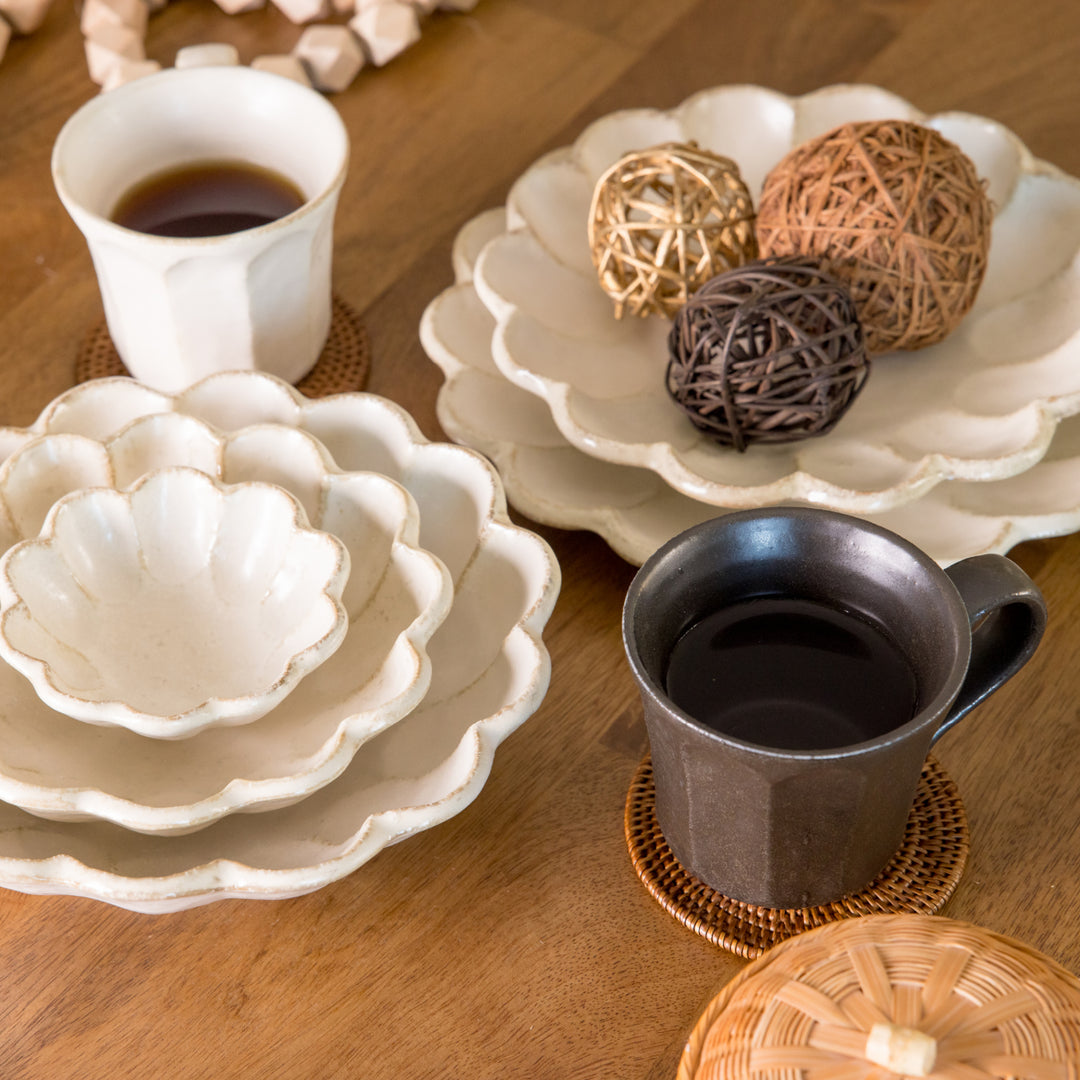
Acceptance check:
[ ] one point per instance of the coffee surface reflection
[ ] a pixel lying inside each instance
(209, 198)
(792, 674)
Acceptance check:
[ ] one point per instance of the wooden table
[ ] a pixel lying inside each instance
(514, 940)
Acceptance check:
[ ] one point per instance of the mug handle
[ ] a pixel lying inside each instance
(1008, 617)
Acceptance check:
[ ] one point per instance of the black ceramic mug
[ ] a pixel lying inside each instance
(795, 667)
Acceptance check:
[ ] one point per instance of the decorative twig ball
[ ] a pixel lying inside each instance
(665, 220)
(894, 210)
(768, 352)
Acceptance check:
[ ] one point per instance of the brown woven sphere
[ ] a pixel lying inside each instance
(769, 352)
(896, 212)
(665, 220)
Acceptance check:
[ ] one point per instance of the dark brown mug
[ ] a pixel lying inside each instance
(786, 826)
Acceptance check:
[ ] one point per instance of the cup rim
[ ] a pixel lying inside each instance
(105, 102)
(934, 709)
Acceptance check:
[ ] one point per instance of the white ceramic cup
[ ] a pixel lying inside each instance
(179, 309)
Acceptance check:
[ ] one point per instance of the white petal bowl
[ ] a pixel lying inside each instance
(490, 670)
(633, 509)
(981, 405)
(172, 607)
(396, 597)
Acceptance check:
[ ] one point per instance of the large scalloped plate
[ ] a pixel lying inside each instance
(490, 669)
(396, 597)
(633, 509)
(981, 405)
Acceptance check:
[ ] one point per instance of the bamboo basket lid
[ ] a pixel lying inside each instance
(889, 996)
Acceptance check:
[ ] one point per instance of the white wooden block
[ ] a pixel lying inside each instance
(332, 54)
(290, 67)
(235, 7)
(125, 71)
(207, 54)
(5, 36)
(303, 11)
(99, 13)
(386, 30)
(107, 45)
(24, 16)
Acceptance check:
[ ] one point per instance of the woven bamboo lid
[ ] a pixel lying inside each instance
(892, 996)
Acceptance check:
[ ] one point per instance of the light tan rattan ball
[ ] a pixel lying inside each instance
(895, 211)
(664, 221)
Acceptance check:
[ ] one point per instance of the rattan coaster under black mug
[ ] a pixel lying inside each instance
(920, 878)
(342, 366)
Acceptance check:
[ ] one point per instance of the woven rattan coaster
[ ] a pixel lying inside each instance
(342, 366)
(920, 878)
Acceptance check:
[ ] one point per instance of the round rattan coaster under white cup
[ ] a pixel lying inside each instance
(920, 878)
(342, 366)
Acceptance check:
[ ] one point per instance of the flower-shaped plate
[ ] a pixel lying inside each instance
(490, 670)
(396, 597)
(633, 509)
(173, 606)
(980, 405)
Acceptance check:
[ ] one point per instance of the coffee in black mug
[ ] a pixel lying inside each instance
(795, 667)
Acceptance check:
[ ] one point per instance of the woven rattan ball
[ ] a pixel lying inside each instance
(665, 220)
(894, 210)
(891, 996)
(768, 352)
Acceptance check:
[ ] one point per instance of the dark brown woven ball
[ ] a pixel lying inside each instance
(894, 210)
(768, 352)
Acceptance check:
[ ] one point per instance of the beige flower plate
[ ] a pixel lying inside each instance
(981, 405)
(173, 606)
(632, 508)
(490, 669)
(395, 598)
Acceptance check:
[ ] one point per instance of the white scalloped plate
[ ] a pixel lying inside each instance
(396, 598)
(633, 509)
(981, 405)
(490, 669)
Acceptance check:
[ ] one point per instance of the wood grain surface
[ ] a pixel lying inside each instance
(514, 940)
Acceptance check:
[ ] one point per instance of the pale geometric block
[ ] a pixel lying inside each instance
(289, 67)
(207, 54)
(235, 7)
(24, 16)
(303, 11)
(425, 7)
(386, 30)
(107, 46)
(125, 71)
(99, 13)
(332, 54)
(5, 37)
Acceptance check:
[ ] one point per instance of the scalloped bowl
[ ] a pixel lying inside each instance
(980, 405)
(178, 605)
(396, 597)
(489, 674)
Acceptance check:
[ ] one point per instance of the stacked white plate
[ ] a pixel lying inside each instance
(966, 447)
(386, 733)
